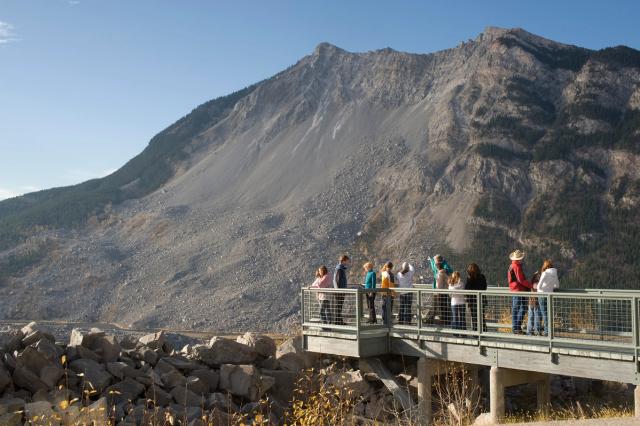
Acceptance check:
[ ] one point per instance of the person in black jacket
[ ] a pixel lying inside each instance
(476, 282)
(339, 281)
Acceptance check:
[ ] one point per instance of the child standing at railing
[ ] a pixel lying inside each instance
(370, 284)
(458, 310)
(323, 280)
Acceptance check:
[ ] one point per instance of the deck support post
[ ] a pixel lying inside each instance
(544, 394)
(636, 401)
(496, 394)
(426, 369)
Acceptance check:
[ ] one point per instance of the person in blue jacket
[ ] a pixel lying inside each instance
(339, 281)
(370, 284)
(438, 258)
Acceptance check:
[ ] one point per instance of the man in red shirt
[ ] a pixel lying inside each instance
(517, 283)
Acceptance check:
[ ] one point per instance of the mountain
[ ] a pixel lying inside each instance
(506, 141)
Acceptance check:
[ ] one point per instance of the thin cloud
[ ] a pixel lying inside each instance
(7, 193)
(7, 34)
(73, 2)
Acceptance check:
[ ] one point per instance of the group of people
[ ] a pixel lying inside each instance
(450, 310)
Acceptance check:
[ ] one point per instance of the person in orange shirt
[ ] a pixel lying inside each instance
(388, 281)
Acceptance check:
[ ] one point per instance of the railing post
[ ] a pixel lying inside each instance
(358, 314)
(550, 324)
(302, 306)
(479, 316)
(634, 330)
(419, 311)
(389, 309)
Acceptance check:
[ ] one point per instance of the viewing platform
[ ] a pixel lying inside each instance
(591, 333)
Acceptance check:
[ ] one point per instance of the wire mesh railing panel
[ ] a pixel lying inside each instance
(373, 308)
(330, 308)
(514, 313)
(593, 318)
(405, 310)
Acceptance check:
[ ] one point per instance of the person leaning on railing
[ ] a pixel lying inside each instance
(405, 280)
(547, 284)
(339, 281)
(370, 284)
(323, 280)
(433, 262)
(387, 281)
(517, 283)
(475, 281)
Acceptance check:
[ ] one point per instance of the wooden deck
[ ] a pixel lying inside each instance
(595, 350)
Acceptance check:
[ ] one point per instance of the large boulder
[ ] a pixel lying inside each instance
(35, 370)
(351, 380)
(10, 340)
(107, 347)
(197, 385)
(158, 396)
(184, 397)
(284, 385)
(95, 375)
(220, 401)
(5, 378)
(128, 389)
(153, 340)
(241, 380)
(40, 412)
(291, 355)
(224, 351)
(33, 332)
(208, 376)
(120, 370)
(11, 404)
(264, 346)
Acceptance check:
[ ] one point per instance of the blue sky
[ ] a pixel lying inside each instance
(84, 84)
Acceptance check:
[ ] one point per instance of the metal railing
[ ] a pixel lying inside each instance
(583, 319)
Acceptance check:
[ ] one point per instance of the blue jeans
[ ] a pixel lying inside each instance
(542, 301)
(518, 309)
(387, 301)
(533, 319)
(458, 313)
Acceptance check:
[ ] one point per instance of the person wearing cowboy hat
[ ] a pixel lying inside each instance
(518, 283)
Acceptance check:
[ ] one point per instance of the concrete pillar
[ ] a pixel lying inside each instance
(496, 394)
(636, 400)
(544, 394)
(425, 373)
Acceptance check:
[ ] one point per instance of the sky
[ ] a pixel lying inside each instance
(85, 84)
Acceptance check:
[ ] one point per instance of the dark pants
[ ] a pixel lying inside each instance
(387, 309)
(371, 304)
(458, 313)
(472, 305)
(338, 301)
(404, 316)
(325, 311)
(518, 310)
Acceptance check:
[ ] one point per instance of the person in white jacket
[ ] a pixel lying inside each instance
(547, 284)
(405, 280)
(458, 311)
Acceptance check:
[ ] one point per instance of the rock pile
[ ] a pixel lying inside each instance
(98, 378)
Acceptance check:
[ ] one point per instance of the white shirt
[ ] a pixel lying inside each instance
(548, 281)
(457, 299)
(406, 280)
